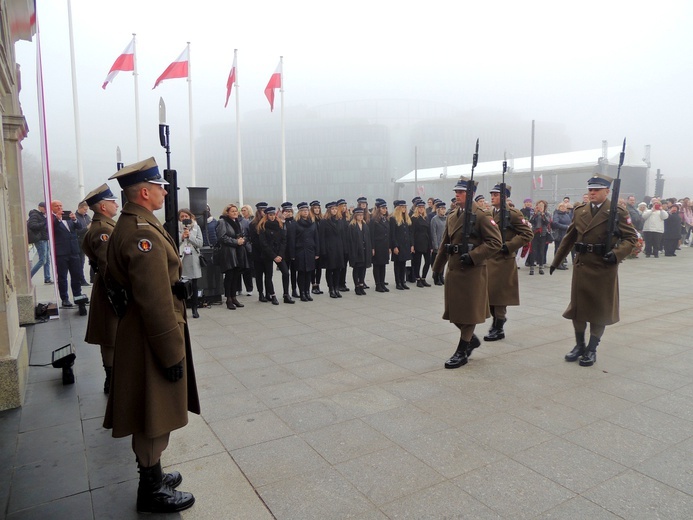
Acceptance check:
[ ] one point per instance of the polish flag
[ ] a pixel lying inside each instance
(541, 181)
(534, 182)
(177, 69)
(124, 62)
(230, 81)
(274, 82)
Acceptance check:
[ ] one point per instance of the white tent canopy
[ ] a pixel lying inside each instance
(542, 163)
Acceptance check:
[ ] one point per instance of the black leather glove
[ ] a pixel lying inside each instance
(174, 373)
(504, 249)
(610, 258)
(466, 259)
(551, 270)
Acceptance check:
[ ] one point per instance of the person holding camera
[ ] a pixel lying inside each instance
(153, 380)
(190, 240)
(232, 255)
(653, 228)
(67, 250)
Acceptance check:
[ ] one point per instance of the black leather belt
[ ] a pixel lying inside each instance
(458, 248)
(599, 249)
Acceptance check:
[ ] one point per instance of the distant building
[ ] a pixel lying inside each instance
(351, 149)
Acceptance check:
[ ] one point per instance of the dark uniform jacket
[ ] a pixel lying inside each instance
(466, 288)
(231, 255)
(303, 244)
(331, 244)
(503, 285)
(103, 322)
(400, 238)
(153, 334)
(380, 240)
(594, 293)
(360, 249)
(421, 234)
(271, 241)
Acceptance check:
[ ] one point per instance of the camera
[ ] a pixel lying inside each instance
(187, 222)
(66, 214)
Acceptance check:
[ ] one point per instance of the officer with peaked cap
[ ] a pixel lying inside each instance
(466, 279)
(153, 383)
(102, 321)
(503, 285)
(594, 294)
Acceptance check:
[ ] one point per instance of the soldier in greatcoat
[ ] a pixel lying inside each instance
(503, 286)
(102, 322)
(466, 279)
(153, 382)
(594, 295)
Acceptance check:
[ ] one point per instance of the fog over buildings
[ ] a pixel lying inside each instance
(365, 84)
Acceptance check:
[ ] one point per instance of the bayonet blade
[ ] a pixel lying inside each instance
(623, 153)
(118, 158)
(162, 111)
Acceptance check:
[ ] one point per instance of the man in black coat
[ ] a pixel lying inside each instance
(66, 252)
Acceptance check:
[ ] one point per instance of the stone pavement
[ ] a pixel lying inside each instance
(342, 409)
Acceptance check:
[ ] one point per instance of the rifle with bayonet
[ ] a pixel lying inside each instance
(613, 210)
(469, 217)
(503, 210)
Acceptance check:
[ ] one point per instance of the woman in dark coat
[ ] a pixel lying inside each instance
(304, 249)
(421, 240)
(332, 248)
(672, 231)
(380, 241)
(232, 254)
(400, 242)
(541, 227)
(360, 250)
(272, 245)
(316, 276)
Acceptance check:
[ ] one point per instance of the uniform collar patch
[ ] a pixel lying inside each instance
(144, 245)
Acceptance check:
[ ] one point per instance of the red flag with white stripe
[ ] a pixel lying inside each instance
(124, 62)
(274, 82)
(230, 82)
(177, 69)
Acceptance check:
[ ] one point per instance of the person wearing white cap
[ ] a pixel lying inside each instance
(153, 382)
(102, 322)
(594, 296)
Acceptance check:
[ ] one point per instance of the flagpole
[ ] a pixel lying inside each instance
(281, 91)
(193, 181)
(137, 97)
(75, 105)
(238, 132)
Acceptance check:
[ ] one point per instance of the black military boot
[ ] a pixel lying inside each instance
(288, 299)
(155, 496)
(173, 479)
(473, 343)
(496, 331)
(304, 298)
(459, 358)
(578, 349)
(308, 296)
(107, 382)
(589, 357)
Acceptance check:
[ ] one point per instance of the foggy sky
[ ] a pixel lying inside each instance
(603, 70)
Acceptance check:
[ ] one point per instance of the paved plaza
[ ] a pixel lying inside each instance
(342, 409)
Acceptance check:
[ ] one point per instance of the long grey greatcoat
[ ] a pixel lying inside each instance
(466, 289)
(503, 285)
(102, 322)
(153, 334)
(594, 295)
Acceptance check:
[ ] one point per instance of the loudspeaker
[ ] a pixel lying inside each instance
(198, 206)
